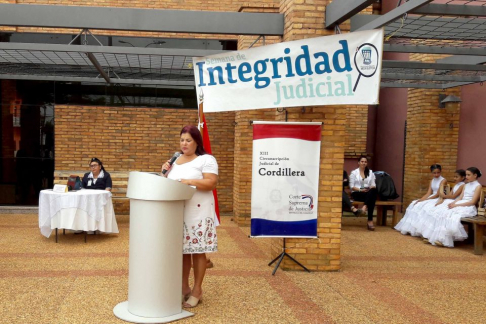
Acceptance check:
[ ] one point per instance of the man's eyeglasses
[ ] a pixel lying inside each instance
(93, 165)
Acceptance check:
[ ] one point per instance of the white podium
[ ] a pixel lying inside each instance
(155, 253)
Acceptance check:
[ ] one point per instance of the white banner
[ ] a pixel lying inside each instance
(331, 70)
(285, 181)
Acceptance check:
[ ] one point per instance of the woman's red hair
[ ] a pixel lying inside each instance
(196, 136)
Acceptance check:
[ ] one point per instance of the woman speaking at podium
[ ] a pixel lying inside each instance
(196, 168)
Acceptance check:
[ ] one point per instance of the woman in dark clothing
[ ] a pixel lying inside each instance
(363, 186)
(98, 178)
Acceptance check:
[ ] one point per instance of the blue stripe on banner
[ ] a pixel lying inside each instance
(264, 227)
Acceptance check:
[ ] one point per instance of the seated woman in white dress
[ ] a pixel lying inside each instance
(446, 225)
(407, 224)
(196, 168)
(424, 225)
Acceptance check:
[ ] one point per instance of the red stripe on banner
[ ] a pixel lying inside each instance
(303, 132)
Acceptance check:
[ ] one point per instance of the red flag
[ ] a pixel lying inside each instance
(207, 148)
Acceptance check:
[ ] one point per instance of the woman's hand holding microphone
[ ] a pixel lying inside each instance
(165, 167)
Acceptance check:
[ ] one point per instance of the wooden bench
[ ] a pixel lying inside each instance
(476, 225)
(381, 208)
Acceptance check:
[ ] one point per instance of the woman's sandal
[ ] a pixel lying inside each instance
(370, 227)
(192, 302)
(357, 212)
(209, 264)
(185, 297)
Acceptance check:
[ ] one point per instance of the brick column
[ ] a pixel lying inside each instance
(305, 19)
(324, 253)
(244, 135)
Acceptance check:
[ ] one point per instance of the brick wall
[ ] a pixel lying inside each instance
(356, 131)
(432, 136)
(141, 139)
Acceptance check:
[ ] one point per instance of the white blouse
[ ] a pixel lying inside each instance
(194, 169)
(355, 180)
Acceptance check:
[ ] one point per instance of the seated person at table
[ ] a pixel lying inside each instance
(98, 178)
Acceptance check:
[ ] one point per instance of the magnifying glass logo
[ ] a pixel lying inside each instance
(366, 61)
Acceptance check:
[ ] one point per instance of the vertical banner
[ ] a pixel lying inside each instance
(285, 179)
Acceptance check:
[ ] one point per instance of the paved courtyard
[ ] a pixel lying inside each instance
(385, 278)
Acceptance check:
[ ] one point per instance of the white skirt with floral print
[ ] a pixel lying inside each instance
(199, 224)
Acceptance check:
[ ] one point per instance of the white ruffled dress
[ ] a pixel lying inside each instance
(425, 222)
(407, 224)
(445, 225)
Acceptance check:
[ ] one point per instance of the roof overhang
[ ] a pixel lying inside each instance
(142, 20)
(99, 64)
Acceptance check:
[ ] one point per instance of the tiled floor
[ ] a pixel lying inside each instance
(386, 278)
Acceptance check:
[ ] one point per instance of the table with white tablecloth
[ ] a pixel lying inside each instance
(82, 210)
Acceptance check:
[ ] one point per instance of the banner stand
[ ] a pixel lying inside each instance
(280, 258)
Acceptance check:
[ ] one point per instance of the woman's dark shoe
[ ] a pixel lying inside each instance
(371, 227)
(358, 212)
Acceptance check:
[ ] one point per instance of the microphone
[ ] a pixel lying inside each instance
(172, 160)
